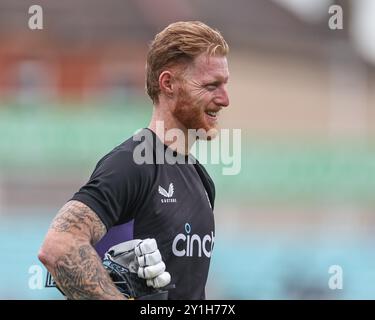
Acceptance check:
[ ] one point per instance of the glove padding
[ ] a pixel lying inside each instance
(143, 258)
(151, 265)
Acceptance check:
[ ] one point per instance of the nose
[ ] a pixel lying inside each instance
(222, 99)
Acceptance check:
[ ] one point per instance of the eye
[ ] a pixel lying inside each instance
(211, 87)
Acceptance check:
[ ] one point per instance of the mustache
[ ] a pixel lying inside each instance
(214, 110)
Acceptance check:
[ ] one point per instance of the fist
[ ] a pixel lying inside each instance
(142, 257)
(151, 265)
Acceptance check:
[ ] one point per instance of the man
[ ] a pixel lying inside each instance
(172, 204)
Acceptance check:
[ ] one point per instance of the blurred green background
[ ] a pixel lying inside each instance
(302, 94)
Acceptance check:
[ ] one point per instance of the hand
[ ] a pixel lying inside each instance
(142, 257)
(151, 265)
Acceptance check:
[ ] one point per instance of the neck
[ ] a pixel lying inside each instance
(170, 131)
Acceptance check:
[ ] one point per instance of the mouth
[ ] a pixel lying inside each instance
(212, 115)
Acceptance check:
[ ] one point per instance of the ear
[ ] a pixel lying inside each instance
(166, 83)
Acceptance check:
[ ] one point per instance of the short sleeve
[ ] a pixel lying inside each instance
(114, 188)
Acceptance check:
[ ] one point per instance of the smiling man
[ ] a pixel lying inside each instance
(190, 95)
(171, 204)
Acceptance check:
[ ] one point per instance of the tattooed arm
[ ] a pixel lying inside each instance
(68, 253)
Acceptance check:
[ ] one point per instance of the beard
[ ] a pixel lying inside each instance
(191, 114)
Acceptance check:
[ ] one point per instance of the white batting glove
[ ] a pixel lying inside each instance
(151, 265)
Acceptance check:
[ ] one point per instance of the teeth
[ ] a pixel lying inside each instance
(211, 113)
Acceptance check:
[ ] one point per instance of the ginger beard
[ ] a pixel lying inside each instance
(191, 113)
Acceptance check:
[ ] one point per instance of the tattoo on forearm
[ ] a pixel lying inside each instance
(78, 269)
(80, 275)
(75, 215)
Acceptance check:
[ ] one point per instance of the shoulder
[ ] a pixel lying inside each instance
(203, 173)
(124, 160)
(207, 182)
(129, 151)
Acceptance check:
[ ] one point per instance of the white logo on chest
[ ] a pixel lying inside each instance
(183, 244)
(167, 195)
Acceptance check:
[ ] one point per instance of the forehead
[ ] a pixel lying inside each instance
(210, 67)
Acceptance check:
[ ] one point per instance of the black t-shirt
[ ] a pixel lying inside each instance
(172, 203)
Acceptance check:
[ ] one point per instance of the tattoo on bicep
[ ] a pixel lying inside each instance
(80, 275)
(76, 215)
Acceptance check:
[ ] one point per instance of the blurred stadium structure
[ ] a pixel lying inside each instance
(302, 94)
